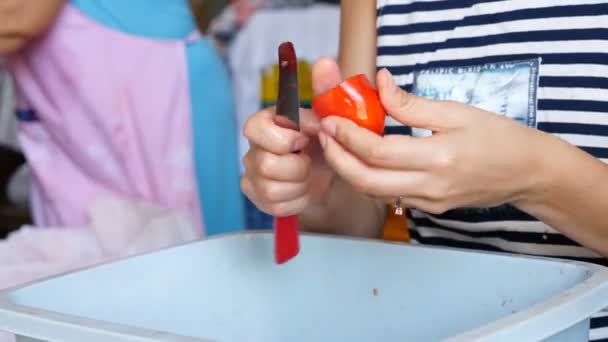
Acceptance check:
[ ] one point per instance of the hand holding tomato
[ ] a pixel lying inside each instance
(474, 157)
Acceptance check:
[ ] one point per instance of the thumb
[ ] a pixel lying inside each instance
(409, 109)
(325, 75)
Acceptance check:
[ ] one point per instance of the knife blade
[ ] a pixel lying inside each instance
(288, 101)
(286, 235)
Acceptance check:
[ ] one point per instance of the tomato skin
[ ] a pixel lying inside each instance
(354, 99)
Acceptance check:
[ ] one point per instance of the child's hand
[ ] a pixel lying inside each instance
(279, 181)
(474, 157)
(22, 20)
(276, 179)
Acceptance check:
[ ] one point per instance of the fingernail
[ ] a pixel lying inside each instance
(300, 143)
(329, 127)
(322, 139)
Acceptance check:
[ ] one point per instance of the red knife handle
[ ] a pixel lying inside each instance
(286, 239)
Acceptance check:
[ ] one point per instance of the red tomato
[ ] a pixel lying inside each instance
(354, 99)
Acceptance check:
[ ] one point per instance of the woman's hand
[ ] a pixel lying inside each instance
(22, 20)
(474, 158)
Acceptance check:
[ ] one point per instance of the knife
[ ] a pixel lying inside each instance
(286, 235)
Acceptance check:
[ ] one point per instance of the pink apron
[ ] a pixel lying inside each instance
(105, 114)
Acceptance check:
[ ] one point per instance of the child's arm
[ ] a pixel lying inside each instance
(344, 210)
(22, 20)
(357, 52)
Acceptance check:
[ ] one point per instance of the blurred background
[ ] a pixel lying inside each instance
(245, 34)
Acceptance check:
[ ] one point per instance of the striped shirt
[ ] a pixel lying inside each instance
(541, 62)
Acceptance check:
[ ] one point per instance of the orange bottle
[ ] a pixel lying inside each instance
(395, 227)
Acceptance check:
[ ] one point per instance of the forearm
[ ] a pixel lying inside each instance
(357, 52)
(343, 211)
(571, 194)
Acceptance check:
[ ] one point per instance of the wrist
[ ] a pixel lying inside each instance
(343, 211)
(546, 166)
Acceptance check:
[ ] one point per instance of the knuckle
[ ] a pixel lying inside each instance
(343, 133)
(248, 128)
(266, 166)
(252, 124)
(246, 161)
(377, 153)
(249, 191)
(445, 159)
(406, 101)
(437, 190)
(269, 192)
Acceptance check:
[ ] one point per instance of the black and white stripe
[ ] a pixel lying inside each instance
(571, 39)
(599, 327)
